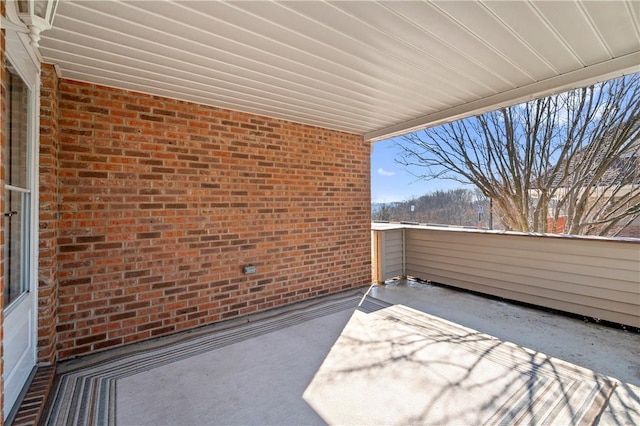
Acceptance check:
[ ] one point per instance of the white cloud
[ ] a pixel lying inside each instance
(383, 172)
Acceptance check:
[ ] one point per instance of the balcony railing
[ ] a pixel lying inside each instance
(590, 276)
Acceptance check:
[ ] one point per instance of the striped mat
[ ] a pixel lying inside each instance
(87, 395)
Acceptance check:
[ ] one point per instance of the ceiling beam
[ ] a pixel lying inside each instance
(603, 71)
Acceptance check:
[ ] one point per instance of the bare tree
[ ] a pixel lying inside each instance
(567, 162)
(450, 207)
(383, 213)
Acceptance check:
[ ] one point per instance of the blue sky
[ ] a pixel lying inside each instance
(391, 181)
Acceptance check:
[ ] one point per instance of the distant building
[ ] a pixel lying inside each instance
(615, 183)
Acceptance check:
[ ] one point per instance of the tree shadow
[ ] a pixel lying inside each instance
(536, 389)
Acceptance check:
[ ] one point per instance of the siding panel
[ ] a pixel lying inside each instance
(388, 253)
(595, 277)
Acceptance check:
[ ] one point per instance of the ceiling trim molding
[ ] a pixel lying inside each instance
(607, 70)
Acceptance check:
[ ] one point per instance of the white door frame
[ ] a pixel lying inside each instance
(21, 55)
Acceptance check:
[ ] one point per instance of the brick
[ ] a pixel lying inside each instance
(157, 204)
(91, 339)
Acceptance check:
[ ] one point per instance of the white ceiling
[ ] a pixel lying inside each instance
(376, 69)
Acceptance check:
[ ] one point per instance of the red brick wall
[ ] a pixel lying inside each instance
(48, 219)
(163, 202)
(556, 227)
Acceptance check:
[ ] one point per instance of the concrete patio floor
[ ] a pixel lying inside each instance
(605, 350)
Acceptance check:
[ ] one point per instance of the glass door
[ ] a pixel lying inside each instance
(19, 302)
(16, 187)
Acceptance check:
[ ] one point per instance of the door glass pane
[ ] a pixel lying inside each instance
(16, 191)
(17, 131)
(15, 284)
